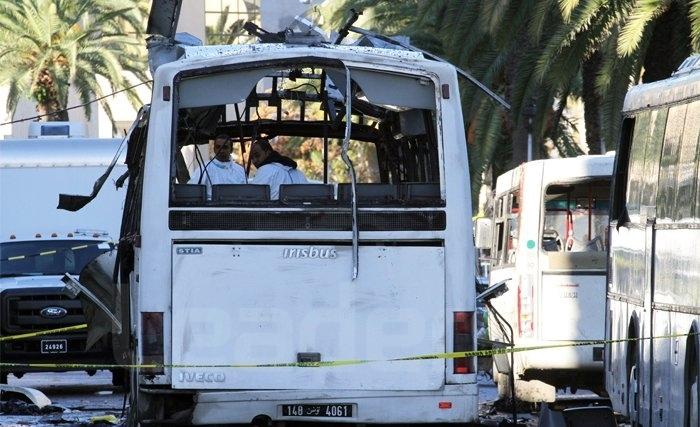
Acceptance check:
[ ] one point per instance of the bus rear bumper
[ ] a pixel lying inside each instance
(452, 404)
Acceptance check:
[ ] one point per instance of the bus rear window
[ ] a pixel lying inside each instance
(273, 137)
(576, 216)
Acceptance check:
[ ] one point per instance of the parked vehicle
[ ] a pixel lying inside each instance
(653, 302)
(549, 243)
(39, 243)
(374, 263)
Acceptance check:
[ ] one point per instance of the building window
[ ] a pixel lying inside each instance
(224, 20)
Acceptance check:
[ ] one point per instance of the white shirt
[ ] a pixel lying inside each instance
(219, 172)
(275, 174)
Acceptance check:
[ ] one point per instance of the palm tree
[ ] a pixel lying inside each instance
(478, 35)
(222, 34)
(49, 46)
(538, 54)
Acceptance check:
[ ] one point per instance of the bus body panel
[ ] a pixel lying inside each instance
(566, 295)
(372, 406)
(229, 309)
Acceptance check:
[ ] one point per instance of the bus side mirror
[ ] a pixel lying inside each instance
(483, 232)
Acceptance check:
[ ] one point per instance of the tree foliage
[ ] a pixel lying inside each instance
(50, 46)
(538, 54)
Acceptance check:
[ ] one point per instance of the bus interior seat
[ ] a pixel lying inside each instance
(306, 193)
(413, 192)
(369, 193)
(189, 194)
(551, 242)
(240, 193)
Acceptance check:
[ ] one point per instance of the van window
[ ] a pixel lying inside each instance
(576, 216)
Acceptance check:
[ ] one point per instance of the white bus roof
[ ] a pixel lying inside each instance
(683, 84)
(17, 153)
(202, 52)
(559, 169)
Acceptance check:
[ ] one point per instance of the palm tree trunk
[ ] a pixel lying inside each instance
(52, 111)
(46, 95)
(591, 103)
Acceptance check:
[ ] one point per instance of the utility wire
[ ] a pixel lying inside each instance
(77, 106)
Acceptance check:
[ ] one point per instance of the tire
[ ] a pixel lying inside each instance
(3, 377)
(692, 383)
(633, 385)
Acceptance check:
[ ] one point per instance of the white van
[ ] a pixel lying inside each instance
(39, 243)
(549, 243)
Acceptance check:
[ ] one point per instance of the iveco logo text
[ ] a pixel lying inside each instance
(190, 250)
(310, 252)
(202, 377)
(53, 312)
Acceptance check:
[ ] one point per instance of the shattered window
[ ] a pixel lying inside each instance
(270, 136)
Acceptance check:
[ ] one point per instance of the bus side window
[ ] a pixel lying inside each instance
(621, 165)
(513, 216)
(497, 249)
(668, 167)
(687, 171)
(636, 164)
(652, 155)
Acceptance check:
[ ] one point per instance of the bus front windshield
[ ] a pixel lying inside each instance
(48, 258)
(576, 216)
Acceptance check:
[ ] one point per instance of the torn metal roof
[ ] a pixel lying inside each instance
(202, 52)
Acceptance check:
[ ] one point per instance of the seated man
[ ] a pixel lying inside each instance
(273, 169)
(221, 169)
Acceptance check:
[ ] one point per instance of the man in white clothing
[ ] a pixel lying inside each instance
(221, 169)
(273, 168)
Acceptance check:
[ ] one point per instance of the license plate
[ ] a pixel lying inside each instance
(54, 346)
(338, 410)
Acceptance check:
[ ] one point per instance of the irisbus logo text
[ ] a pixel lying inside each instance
(310, 252)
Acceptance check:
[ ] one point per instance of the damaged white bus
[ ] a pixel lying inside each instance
(242, 301)
(549, 243)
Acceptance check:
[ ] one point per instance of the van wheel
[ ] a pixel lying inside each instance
(692, 381)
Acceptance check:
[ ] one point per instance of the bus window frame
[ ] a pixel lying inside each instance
(324, 63)
(503, 215)
(576, 181)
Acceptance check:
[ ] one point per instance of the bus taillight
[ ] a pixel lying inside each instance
(152, 341)
(463, 341)
(525, 308)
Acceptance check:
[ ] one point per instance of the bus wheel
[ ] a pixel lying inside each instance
(632, 382)
(692, 381)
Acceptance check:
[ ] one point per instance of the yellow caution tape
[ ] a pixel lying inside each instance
(47, 332)
(54, 252)
(450, 355)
